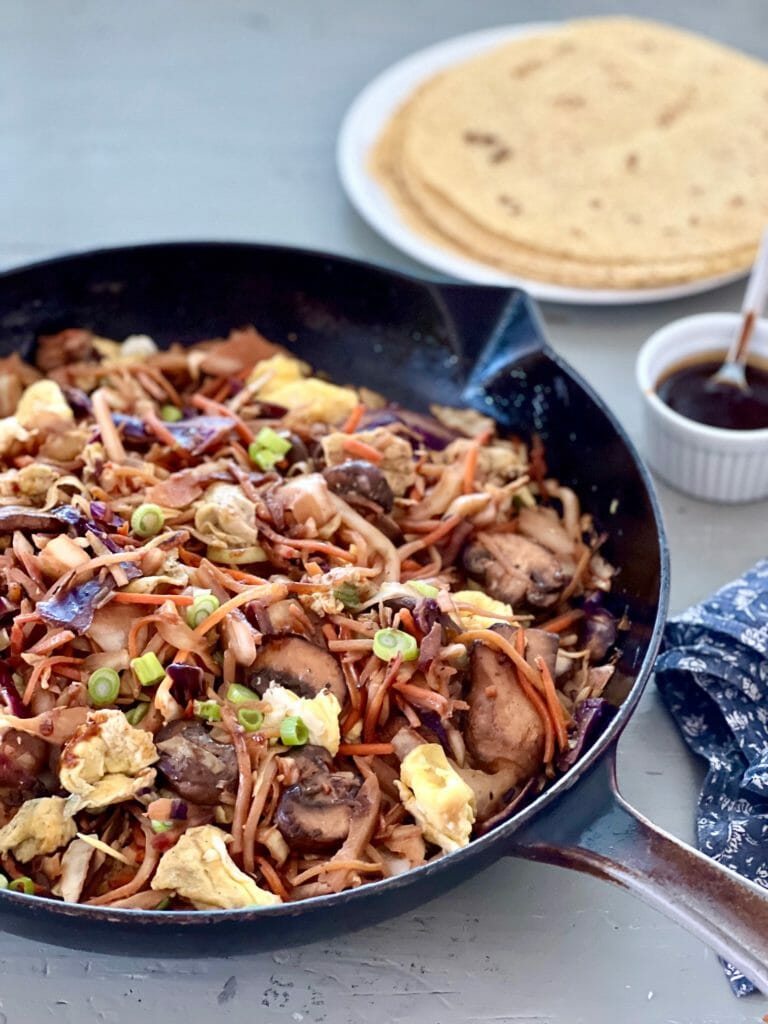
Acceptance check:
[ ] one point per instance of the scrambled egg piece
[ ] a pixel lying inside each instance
(106, 761)
(199, 869)
(42, 404)
(36, 480)
(39, 827)
(397, 463)
(486, 610)
(225, 517)
(11, 432)
(286, 383)
(275, 372)
(437, 797)
(320, 714)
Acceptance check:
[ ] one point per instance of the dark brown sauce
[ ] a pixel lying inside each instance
(687, 389)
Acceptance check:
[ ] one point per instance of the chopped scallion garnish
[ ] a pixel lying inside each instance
(147, 520)
(23, 884)
(135, 714)
(251, 719)
(208, 710)
(425, 589)
(293, 732)
(202, 606)
(238, 694)
(388, 643)
(148, 669)
(161, 826)
(103, 686)
(171, 413)
(273, 442)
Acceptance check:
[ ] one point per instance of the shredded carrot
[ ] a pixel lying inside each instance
(160, 430)
(555, 708)
(208, 405)
(492, 639)
(424, 698)
(535, 699)
(366, 749)
(44, 668)
(407, 622)
(340, 865)
(252, 594)
(431, 538)
(470, 468)
(353, 717)
(352, 446)
(183, 600)
(272, 878)
(353, 420)
(375, 703)
(561, 622)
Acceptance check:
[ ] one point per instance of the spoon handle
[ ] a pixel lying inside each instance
(753, 304)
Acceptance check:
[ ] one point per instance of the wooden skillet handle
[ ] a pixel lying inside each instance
(594, 830)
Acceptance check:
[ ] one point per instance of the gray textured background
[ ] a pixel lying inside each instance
(189, 119)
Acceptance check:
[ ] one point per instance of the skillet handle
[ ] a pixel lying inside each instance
(594, 830)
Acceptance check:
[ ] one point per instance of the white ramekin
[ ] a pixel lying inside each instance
(707, 462)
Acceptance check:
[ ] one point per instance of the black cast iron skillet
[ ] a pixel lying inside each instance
(417, 342)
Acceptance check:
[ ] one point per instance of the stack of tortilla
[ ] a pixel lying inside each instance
(605, 153)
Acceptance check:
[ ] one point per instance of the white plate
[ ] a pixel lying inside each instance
(362, 125)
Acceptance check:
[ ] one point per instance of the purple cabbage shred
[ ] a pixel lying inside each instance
(591, 718)
(186, 682)
(74, 609)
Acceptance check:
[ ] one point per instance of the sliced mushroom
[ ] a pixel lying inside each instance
(513, 568)
(315, 813)
(360, 478)
(19, 517)
(298, 665)
(22, 758)
(197, 767)
(504, 730)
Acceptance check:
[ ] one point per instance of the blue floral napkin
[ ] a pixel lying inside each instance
(713, 676)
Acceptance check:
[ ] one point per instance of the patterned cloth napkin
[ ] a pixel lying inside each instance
(713, 676)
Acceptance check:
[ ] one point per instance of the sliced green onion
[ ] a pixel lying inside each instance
(147, 520)
(293, 732)
(164, 903)
(425, 589)
(263, 457)
(273, 442)
(208, 710)
(237, 694)
(171, 413)
(23, 884)
(348, 594)
(135, 715)
(251, 719)
(387, 643)
(3, 882)
(148, 669)
(202, 606)
(161, 826)
(103, 686)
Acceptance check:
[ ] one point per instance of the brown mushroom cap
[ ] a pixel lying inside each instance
(298, 665)
(20, 517)
(360, 478)
(197, 767)
(513, 568)
(503, 727)
(315, 813)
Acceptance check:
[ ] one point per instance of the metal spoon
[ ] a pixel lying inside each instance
(733, 371)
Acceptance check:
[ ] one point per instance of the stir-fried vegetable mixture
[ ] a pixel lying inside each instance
(263, 637)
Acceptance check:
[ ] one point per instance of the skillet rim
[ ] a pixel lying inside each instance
(168, 919)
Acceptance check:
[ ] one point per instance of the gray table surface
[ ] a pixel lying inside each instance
(181, 119)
